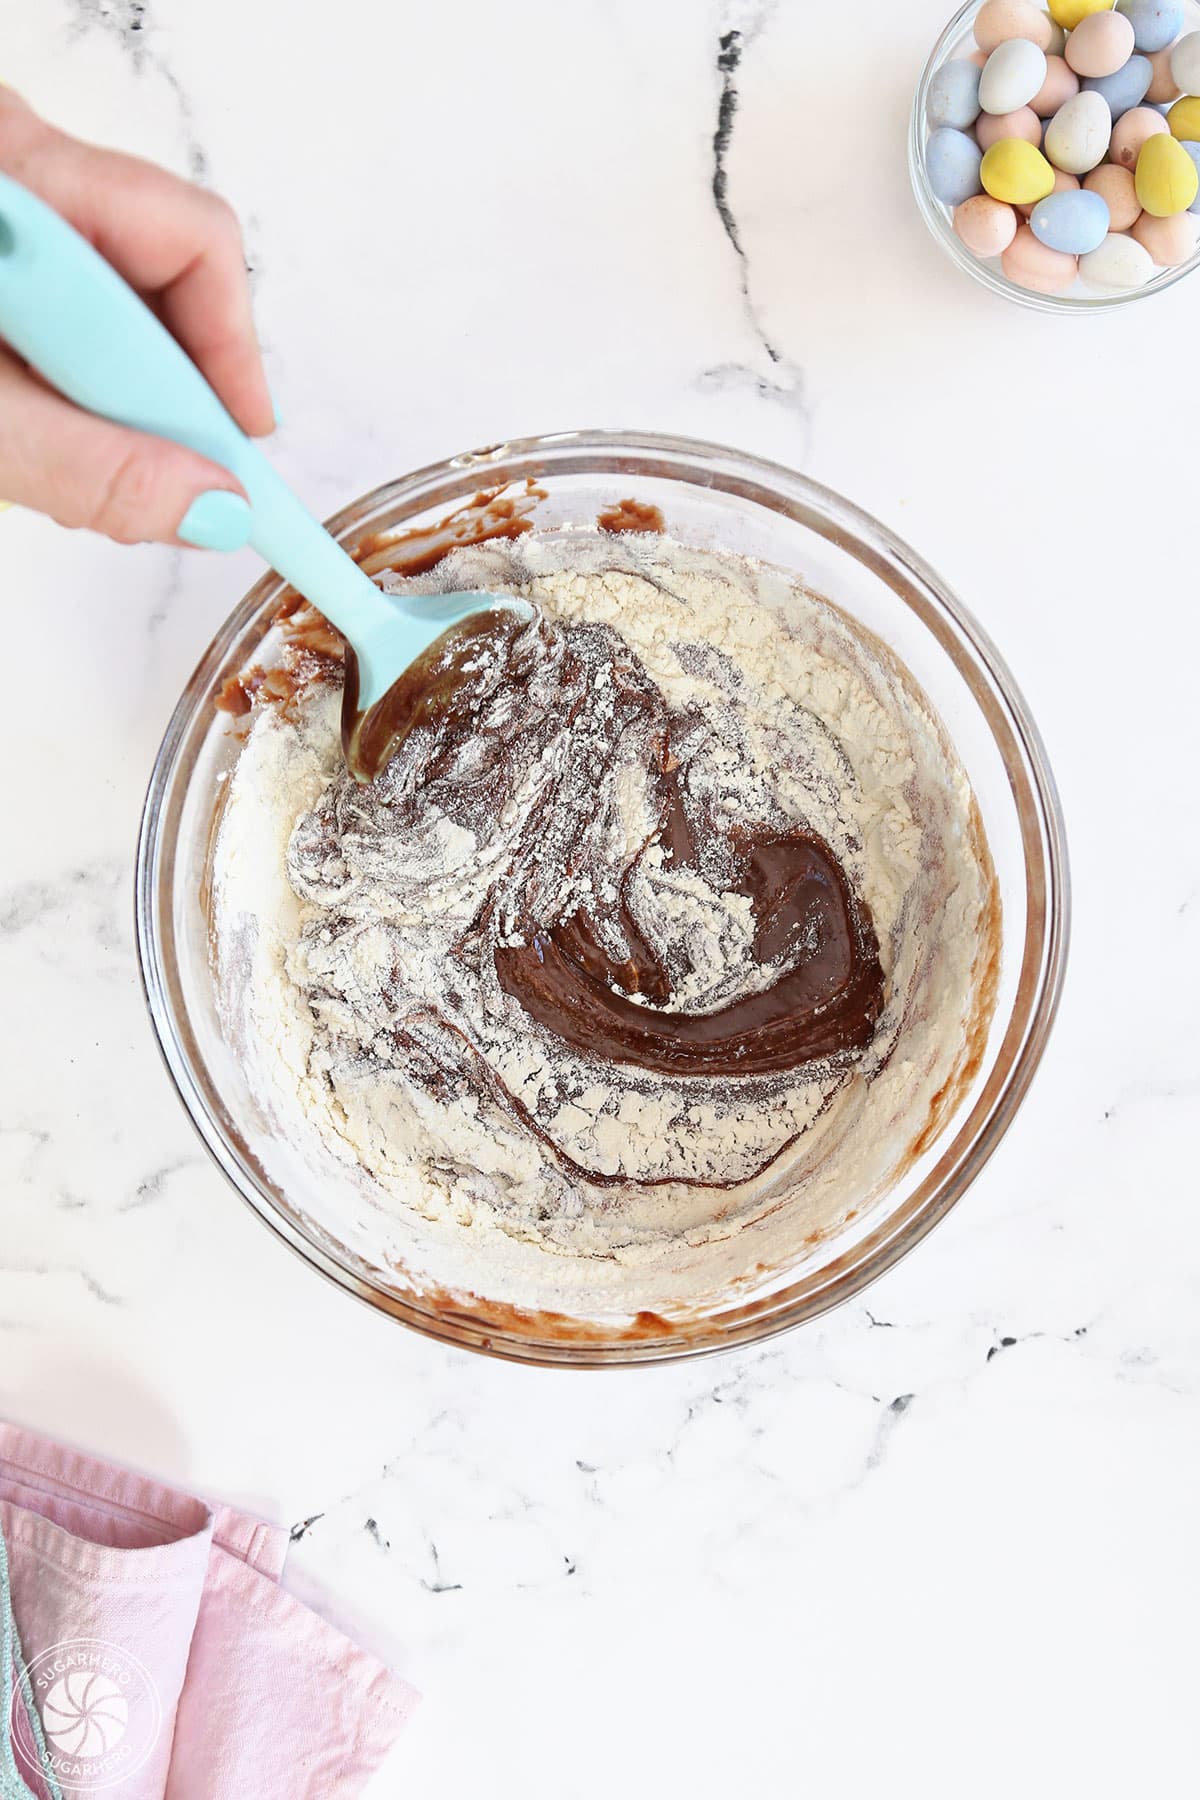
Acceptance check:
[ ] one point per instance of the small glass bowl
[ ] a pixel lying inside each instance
(958, 39)
(711, 498)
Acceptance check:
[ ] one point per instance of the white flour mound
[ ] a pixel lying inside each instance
(452, 1137)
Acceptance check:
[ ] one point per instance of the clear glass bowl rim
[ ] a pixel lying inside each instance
(935, 218)
(970, 1140)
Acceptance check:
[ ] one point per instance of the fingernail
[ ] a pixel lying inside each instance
(216, 521)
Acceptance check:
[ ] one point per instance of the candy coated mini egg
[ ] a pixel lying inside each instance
(1184, 118)
(1169, 241)
(1012, 75)
(1065, 145)
(1000, 20)
(952, 161)
(1124, 89)
(1101, 45)
(1032, 265)
(1193, 151)
(954, 95)
(1060, 84)
(1074, 223)
(1131, 131)
(986, 226)
(1185, 63)
(1058, 41)
(1120, 262)
(1117, 189)
(1078, 134)
(991, 127)
(1070, 13)
(1015, 171)
(1063, 184)
(1156, 23)
(1163, 86)
(1166, 178)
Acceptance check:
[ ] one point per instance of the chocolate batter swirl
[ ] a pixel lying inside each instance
(828, 1000)
(560, 919)
(665, 939)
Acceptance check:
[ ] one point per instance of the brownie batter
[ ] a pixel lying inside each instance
(661, 942)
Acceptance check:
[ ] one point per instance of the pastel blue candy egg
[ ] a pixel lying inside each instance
(1126, 88)
(1156, 23)
(952, 160)
(954, 95)
(1075, 221)
(1193, 150)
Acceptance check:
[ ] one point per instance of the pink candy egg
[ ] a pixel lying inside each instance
(1060, 84)
(1100, 44)
(1116, 187)
(1032, 265)
(1131, 131)
(999, 20)
(1063, 183)
(986, 226)
(1024, 123)
(1169, 241)
(1162, 89)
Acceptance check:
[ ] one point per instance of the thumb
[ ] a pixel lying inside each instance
(84, 471)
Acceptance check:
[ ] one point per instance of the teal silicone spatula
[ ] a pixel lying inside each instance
(75, 321)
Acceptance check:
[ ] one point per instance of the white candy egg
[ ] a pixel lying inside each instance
(1077, 136)
(1012, 75)
(1185, 63)
(1119, 262)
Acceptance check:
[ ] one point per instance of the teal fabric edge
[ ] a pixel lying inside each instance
(12, 1787)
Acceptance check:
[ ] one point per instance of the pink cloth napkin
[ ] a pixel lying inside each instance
(164, 1659)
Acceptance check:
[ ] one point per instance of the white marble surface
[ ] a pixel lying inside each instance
(943, 1543)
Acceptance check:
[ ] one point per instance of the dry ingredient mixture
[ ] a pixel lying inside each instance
(644, 964)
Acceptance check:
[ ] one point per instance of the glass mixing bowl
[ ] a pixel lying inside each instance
(958, 40)
(710, 498)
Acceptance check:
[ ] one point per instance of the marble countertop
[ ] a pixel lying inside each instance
(944, 1541)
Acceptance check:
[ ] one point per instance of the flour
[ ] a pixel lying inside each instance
(361, 987)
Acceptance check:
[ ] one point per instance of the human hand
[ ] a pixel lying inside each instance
(181, 249)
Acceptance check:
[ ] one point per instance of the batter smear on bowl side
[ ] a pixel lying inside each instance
(664, 943)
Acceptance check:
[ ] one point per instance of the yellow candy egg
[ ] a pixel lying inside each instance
(1167, 180)
(1015, 171)
(1184, 118)
(1069, 13)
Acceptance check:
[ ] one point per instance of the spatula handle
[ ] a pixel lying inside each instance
(74, 319)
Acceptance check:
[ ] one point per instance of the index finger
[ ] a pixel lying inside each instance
(171, 240)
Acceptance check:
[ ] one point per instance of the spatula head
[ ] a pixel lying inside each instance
(408, 673)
